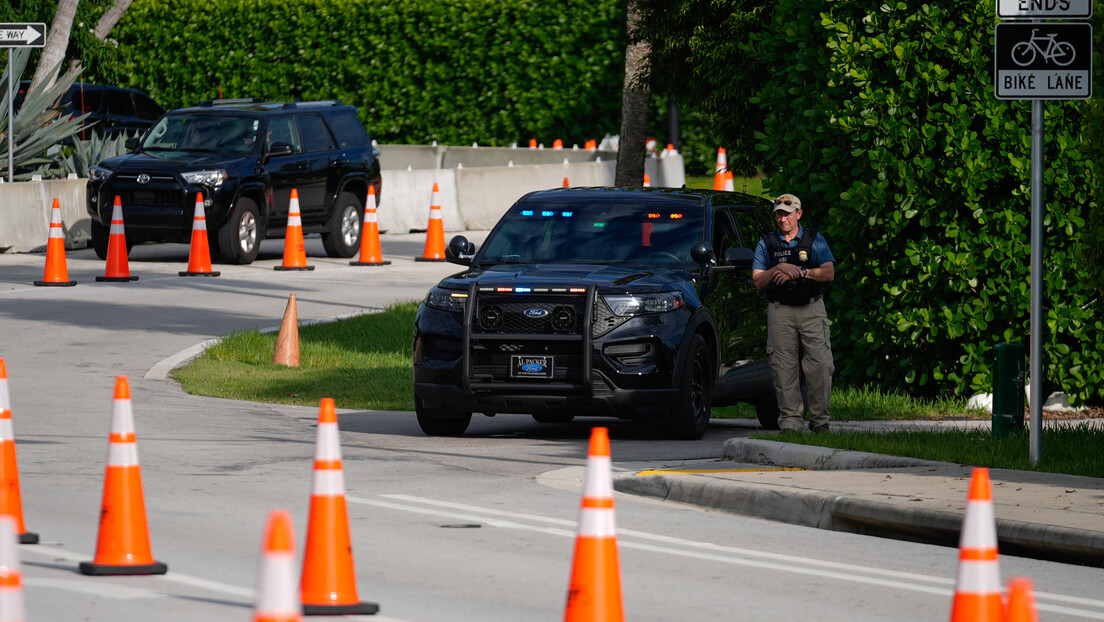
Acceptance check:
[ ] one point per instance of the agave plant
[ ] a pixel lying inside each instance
(39, 125)
(84, 153)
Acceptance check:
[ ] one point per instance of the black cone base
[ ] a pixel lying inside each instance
(338, 610)
(199, 273)
(101, 570)
(55, 283)
(369, 263)
(428, 259)
(116, 279)
(28, 538)
(285, 268)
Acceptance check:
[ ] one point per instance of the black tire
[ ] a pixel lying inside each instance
(766, 410)
(342, 235)
(100, 237)
(559, 418)
(239, 239)
(689, 416)
(440, 422)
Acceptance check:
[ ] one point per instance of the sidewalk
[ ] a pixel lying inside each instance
(1039, 515)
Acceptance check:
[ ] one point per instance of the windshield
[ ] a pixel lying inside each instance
(212, 133)
(644, 232)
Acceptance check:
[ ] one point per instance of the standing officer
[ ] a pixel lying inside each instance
(792, 265)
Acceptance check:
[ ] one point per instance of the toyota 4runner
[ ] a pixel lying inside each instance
(246, 157)
(628, 302)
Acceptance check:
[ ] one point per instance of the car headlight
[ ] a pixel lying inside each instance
(447, 300)
(97, 173)
(640, 304)
(211, 179)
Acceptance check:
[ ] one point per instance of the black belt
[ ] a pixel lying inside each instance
(801, 304)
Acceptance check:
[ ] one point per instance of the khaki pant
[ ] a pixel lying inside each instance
(798, 343)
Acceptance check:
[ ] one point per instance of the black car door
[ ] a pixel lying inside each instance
(317, 190)
(287, 170)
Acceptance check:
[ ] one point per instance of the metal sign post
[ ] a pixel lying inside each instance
(17, 36)
(1041, 60)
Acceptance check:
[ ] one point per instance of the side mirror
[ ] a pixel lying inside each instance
(280, 149)
(701, 252)
(739, 258)
(131, 143)
(460, 251)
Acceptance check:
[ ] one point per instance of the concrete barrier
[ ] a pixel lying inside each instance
(476, 185)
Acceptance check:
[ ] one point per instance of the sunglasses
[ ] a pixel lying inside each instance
(783, 202)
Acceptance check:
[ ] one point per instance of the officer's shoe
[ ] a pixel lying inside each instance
(819, 429)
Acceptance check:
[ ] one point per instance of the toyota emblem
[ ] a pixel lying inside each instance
(143, 179)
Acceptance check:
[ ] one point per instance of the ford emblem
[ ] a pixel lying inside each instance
(143, 179)
(532, 368)
(535, 312)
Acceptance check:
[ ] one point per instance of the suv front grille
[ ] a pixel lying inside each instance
(535, 314)
(152, 198)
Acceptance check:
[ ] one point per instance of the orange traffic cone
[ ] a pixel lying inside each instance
(276, 575)
(594, 593)
(722, 164)
(647, 181)
(532, 143)
(199, 255)
(370, 252)
(1021, 601)
(977, 584)
(117, 267)
(56, 274)
(329, 578)
(295, 253)
(729, 182)
(557, 144)
(11, 577)
(566, 184)
(123, 547)
(11, 501)
(287, 342)
(435, 233)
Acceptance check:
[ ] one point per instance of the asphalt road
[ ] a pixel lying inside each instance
(475, 528)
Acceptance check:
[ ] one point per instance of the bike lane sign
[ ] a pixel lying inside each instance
(1043, 60)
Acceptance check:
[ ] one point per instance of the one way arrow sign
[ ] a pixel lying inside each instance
(22, 35)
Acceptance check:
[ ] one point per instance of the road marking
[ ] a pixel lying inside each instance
(175, 577)
(718, 553)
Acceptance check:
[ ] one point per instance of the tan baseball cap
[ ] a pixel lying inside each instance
(787, 203)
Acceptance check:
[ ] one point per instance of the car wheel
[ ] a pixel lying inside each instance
(553, 418)
(690, 414)
(101, 239)
(440, 422)
(342, 238)
(766, 410)
(239, 239)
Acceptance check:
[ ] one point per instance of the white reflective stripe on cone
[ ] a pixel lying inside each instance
(328, 483)
(122, 454)
(977, 577)
(597, 523)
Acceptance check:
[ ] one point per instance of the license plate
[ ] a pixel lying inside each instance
(145, 197)
(530, 366)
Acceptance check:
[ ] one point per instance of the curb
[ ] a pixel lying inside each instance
(851, 514)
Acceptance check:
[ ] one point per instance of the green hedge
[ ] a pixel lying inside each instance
(885, 123)
(457, 71)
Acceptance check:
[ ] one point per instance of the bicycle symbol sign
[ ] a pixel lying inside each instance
(1060, 53)
(1043, 60)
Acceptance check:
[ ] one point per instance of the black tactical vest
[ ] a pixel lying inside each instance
(798, 291)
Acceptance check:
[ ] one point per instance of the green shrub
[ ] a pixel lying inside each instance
(458, 72)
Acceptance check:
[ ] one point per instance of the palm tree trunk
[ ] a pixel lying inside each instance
(634, 107)
(57, 39)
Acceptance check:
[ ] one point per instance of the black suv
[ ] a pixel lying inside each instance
(600, 301)
(246, 157)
